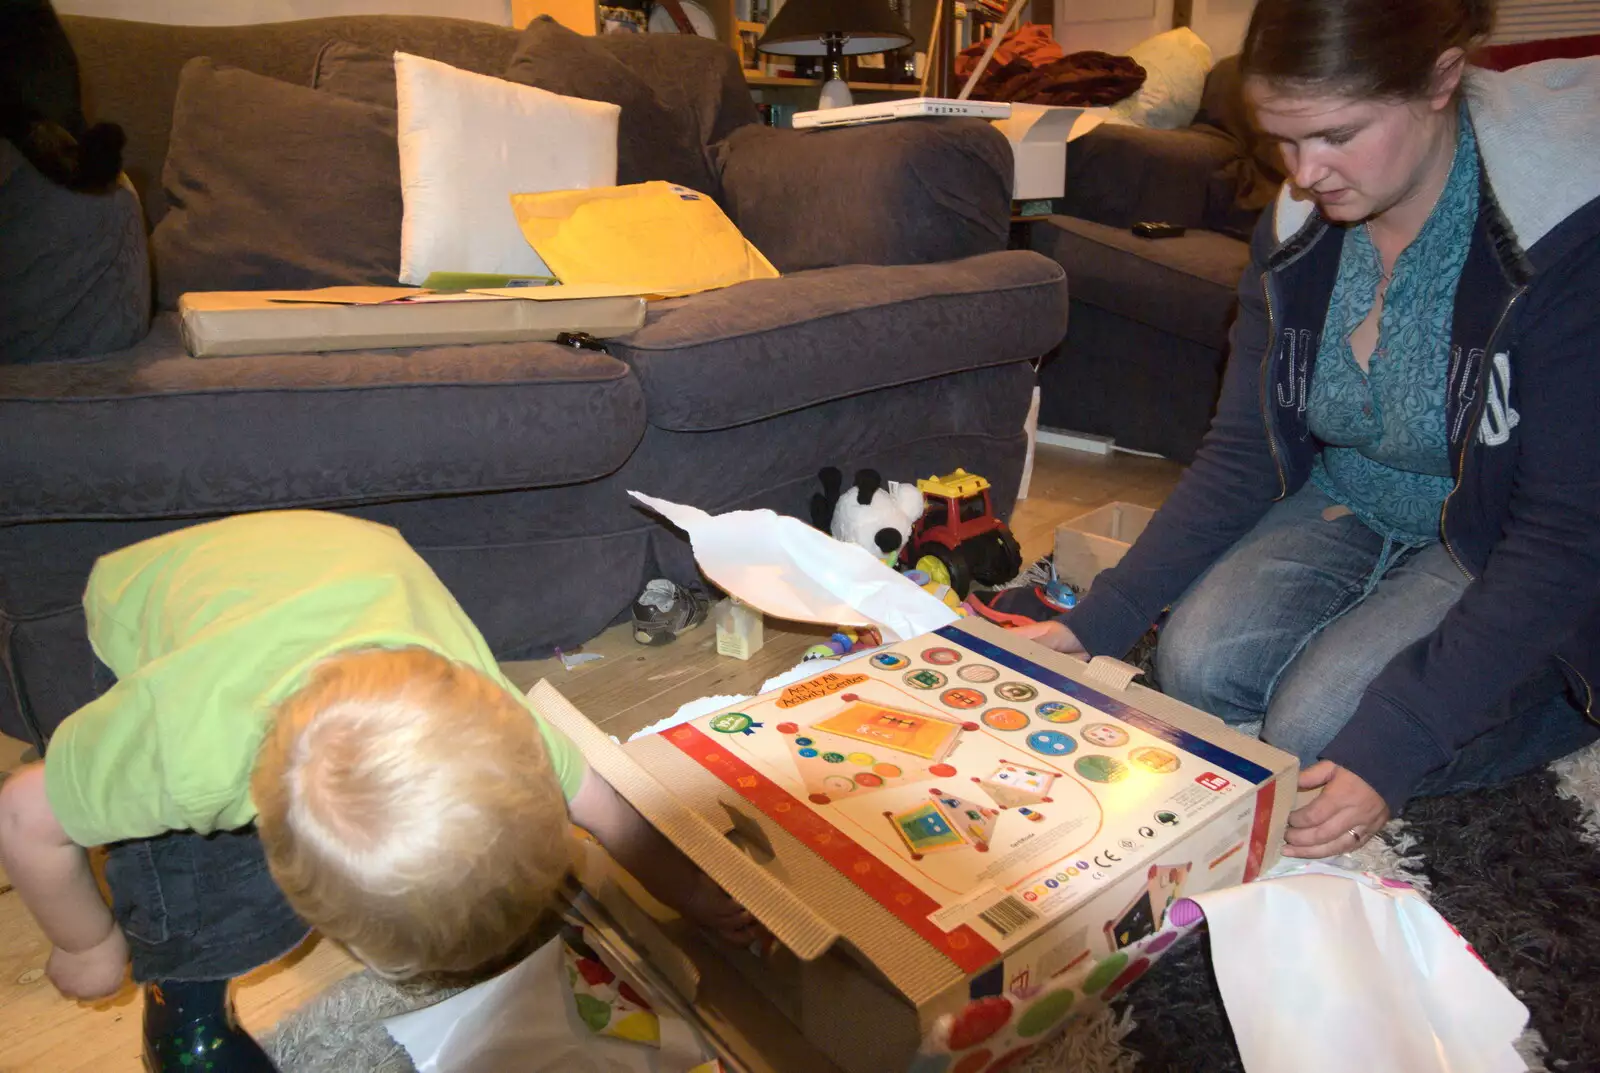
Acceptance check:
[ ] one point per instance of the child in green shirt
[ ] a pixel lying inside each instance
(304, 730)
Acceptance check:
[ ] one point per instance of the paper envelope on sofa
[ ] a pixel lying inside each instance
(954, 816)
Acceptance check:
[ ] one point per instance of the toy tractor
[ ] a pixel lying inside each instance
(959, 531)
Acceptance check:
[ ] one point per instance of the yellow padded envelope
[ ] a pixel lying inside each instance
(649, 238)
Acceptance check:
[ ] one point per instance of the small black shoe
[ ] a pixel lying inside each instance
(664, 610)
(191, 1028)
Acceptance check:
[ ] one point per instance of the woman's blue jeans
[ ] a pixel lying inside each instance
(1291, 625)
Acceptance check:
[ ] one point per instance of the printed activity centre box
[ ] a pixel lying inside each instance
(958, 815)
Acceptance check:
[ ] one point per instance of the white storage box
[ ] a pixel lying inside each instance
(1097, 540)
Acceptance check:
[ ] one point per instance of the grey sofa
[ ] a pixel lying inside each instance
(1143, 358)
(899, 337)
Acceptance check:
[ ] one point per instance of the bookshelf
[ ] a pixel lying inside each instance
(740, 23)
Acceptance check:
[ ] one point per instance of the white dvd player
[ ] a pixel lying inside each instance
(883, 112)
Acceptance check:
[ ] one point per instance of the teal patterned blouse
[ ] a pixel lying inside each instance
(1387, 454)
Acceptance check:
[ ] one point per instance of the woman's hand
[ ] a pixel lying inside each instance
(93, 973)
(1341, 819)
(1052, 634)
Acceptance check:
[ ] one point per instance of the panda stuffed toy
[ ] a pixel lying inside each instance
(873, 513)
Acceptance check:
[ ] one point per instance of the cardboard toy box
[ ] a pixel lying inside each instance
(240, 323)
(953, 817)
(1098, 540)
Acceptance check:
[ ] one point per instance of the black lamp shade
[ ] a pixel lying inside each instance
(801, 28)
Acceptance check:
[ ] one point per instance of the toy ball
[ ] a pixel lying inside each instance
(818, 652)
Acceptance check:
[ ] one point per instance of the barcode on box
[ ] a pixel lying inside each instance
(1007, 916)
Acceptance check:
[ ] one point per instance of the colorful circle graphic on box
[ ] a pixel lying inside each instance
(1153, 759)
(941, 657)
(1104, 735)
(1058, 711)
(1097, 768)
(925, 679)
(733, 723)
(1005, 719)
(965, 699)
(1016, 692)
(978, 672)
(1051, 743)
(889, 661)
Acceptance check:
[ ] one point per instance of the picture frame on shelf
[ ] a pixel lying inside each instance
(749, 55)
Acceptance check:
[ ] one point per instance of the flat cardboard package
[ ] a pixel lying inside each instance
(1098, 540)
(953, 817)
(1038, 134)
(239, 323)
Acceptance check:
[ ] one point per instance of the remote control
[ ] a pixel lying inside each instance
(1157, 230)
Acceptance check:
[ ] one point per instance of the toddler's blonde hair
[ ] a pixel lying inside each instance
(409, 811)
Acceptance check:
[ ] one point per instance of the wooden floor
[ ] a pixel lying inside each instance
(41, 1032)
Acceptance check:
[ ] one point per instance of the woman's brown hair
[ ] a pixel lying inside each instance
(1371, 49)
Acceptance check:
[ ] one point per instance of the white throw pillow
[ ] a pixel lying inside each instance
(467, 143)
(1176, 64)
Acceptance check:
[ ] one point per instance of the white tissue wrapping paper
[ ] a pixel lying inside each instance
(525, 1021)
(1326, 971)
(789, 570)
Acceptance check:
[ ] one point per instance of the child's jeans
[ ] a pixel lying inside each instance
(198, 908)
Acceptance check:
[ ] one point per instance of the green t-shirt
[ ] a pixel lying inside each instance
(207, 629)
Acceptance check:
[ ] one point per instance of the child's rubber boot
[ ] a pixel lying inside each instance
(191, 1028)
(664, 610)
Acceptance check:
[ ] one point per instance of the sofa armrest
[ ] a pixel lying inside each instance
(1119, 175)
(908, 192)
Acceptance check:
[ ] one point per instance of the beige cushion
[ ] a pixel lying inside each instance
(467, 143)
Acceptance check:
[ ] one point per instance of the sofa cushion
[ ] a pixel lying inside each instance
(1175, 63)
(275, 186)
(356, 73)
(1186, 286)
(150, 431)
(729, 357)
(914, 192)
(130, 70)
(468, 144)
(1120, 175)
(653, 141)
(74, 267)
(693, 76)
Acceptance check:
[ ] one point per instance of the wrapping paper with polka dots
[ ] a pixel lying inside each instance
(996, 1033)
